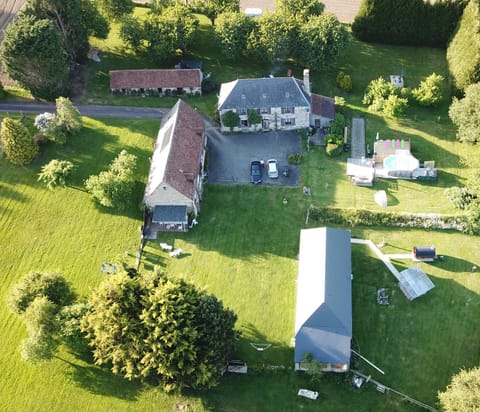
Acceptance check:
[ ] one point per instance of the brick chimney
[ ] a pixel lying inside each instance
(306, 81)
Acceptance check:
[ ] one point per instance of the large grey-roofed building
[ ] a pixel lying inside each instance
(323, 324)
(263, 92)
(283, 103)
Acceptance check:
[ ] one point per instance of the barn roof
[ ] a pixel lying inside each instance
(323, 324)
(156, 78)
(177, 153)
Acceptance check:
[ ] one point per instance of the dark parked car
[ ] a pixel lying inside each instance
(255, 172)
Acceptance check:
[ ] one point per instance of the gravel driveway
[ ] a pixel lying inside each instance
(229, 156)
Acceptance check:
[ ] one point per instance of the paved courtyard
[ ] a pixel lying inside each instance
(229, 156)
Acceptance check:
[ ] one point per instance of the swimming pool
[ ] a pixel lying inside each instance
(400, 162)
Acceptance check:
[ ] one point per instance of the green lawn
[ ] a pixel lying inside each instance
(245, 251)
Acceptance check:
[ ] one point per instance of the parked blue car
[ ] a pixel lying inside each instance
(255, 172)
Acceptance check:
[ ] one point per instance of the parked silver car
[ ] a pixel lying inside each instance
(272, 167)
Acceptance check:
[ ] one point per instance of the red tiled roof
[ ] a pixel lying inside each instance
(323, 106)
(152, 79)
(186, 149)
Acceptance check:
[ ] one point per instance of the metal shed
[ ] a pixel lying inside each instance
(414, 282)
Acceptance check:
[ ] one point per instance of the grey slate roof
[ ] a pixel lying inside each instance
(264, 92)
(323, 319)
(170, 214)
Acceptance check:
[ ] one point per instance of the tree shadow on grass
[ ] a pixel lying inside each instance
(101, 381)
(454, 264)
(256, 348)
(152, 256)
(9, 192)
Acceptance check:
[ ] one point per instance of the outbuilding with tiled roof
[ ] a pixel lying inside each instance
(175, 181)
(157, 82)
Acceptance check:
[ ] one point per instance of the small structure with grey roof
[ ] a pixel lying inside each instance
(157, 82)
(284, 103)
(323, 319)
(175, 182)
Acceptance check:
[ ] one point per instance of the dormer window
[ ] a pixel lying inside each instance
(287, 95)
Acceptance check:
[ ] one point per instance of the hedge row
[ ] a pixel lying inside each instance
(362, 217)
(408, 22)
(463, 53)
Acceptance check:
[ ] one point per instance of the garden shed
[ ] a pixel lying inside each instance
(323, 319)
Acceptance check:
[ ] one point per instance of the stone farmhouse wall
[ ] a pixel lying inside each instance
(275, 118)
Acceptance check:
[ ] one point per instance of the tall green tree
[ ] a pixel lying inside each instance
(321, 39)
(132, 33)
(254, 118)
(39, 318)
(185, 24)
(463, 393)
(463, 53)
(301, 10)
(32, 54)
(213, 8)
(232, 30)
(37, 298)
(114, 187)
(75, 20)
(68, 326)
(156, 327)
(273, 37)
(17, 142)
(115, 9)
(51, 285)
(465, 114)
(55, 173)
(230, 119)
(67, 116)
(429, 91)
(160, 37)
(407, 22)
(378, 88)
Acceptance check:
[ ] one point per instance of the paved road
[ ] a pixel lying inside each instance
(88, 110)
